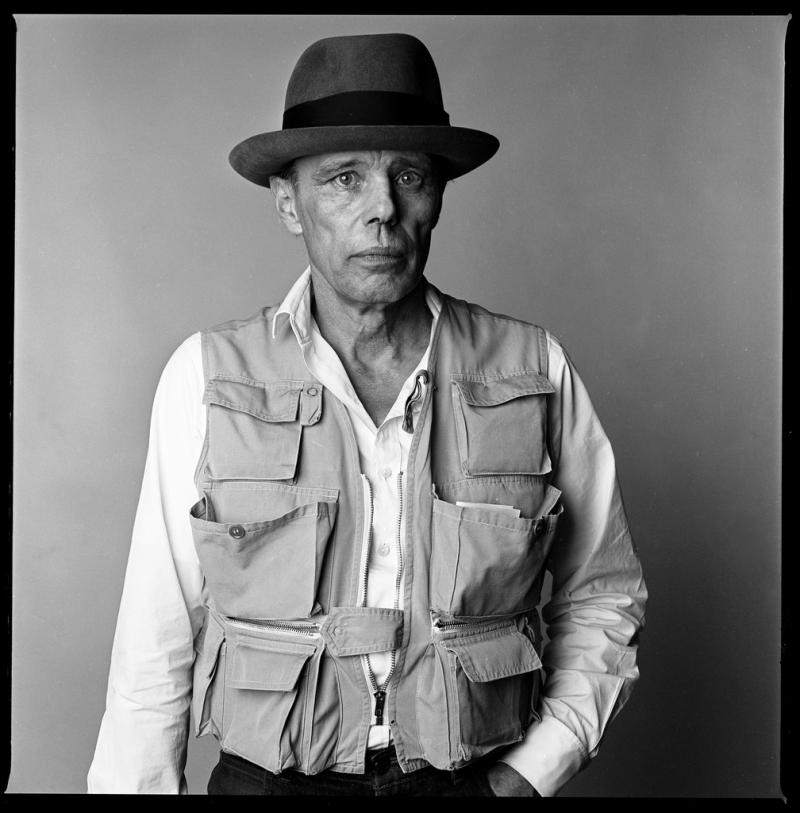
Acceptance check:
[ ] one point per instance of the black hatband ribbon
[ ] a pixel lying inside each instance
(364, 107)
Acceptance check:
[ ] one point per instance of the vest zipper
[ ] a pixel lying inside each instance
(366, 542)
(309, 629)
(379, 695)
(379, 692)
(399, 541)
(455, 625)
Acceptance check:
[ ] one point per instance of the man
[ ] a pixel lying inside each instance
(384, 476)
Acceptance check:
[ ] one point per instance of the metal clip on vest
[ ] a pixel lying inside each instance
(416, 394)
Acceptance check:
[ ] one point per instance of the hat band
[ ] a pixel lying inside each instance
(364, 107)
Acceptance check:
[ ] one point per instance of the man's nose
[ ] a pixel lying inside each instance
(380, 205)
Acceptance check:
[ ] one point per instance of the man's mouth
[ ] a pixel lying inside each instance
(379, 253)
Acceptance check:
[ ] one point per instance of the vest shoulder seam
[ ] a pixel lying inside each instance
(230, 325)
(479, 311)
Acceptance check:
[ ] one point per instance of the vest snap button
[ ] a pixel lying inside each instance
(236, 531)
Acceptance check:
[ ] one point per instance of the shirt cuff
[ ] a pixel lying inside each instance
(548, 757)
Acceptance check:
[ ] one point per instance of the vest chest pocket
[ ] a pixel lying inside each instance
(268, 569)
(254, 428)
(501, 424)
(486, 563)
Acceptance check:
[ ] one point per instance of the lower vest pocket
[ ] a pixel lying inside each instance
(264, 569)
(486, 684)
(270, 688)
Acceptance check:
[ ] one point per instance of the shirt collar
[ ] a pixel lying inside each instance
(296, 307)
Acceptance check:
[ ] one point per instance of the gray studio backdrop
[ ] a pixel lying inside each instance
(634, 208)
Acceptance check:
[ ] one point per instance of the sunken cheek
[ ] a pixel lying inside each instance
(339, 218)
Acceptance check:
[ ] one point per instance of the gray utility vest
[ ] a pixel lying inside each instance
(282, 534)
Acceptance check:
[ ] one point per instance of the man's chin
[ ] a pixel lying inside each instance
(371, 286)
(387, 291)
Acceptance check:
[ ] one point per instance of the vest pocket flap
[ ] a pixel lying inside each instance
(361, 630)
(501, 390)
(489, 658)
(268, 666)
(274, 402)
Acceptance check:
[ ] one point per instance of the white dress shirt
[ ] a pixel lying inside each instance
(595, 611)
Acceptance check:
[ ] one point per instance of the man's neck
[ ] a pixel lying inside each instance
(379, 346)
(366, 335)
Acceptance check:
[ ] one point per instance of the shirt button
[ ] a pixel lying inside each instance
(312, 390)
(236, 531)
(384, 549)
(386, 472)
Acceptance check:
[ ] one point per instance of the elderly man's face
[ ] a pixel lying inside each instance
(366, 218)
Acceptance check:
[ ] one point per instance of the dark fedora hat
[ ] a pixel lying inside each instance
(364, 92)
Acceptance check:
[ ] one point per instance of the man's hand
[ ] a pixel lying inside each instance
(505, 781)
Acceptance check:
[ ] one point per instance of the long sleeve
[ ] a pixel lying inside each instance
(597, 600)
(141, 747)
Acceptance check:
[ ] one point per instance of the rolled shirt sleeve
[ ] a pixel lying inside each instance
(141, 747)
(598, 595)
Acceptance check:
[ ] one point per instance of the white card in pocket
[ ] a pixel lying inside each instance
(514, 512)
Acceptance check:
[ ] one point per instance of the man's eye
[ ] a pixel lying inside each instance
(409, 178)
(346, 179)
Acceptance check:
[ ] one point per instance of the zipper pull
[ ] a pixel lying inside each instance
(416, 393)
(380, 699)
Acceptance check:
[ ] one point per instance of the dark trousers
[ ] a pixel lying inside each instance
(382, 777)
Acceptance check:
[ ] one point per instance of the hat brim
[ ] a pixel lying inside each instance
(260, 156)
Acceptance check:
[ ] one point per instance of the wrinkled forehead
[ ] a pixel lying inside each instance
(368, 159)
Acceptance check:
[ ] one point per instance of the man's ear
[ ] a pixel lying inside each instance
(438, 207)
(285, 203)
